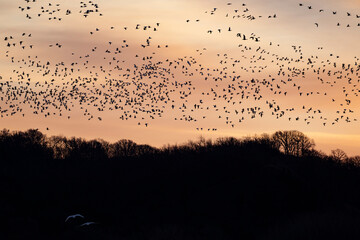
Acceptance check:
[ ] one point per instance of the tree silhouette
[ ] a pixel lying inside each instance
(262, 187)
(60, 147)
(123, 148)
(339, 155)
(293, 142)
(355, 160)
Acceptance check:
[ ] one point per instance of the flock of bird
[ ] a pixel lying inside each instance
(143, 88)
(54, 11)
(355, 22)
(71, 219)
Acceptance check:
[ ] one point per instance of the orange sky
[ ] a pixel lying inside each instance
(293, 26)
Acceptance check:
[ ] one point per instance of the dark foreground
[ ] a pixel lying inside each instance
(230, 189)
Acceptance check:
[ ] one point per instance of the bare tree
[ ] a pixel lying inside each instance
(228, 141)
(354, 160)
(123, 148)
(293, 142)
(59, 146)
(339, 155)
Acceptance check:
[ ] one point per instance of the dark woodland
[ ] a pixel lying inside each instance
(265, 187)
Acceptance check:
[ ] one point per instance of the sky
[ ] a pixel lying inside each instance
(289, 48)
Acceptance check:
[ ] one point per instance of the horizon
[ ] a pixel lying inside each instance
(198, 138)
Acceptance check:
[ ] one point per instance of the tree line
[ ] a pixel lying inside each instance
(294, 143)
(272, 186)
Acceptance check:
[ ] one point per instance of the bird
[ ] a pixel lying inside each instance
(87, 224)
(74, 216)
(152, 88)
